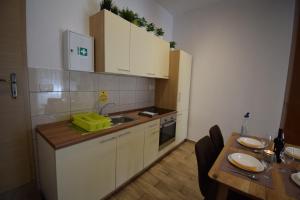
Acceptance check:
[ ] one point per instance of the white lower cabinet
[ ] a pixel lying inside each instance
(92, 169)
(82, 171)
(130, 144)
(151, 142)
(87, 170)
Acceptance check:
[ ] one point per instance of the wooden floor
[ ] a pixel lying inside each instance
(174, 177)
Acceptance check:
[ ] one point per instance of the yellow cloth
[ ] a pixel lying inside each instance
(249, 145)
(248, 168)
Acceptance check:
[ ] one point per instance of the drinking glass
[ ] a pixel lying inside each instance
(286, 159)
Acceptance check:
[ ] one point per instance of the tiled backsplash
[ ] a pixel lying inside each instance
(56, 94)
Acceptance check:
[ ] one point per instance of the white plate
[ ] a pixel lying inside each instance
(246, 162)
(251, 142)
(293, 152)
(296, 178)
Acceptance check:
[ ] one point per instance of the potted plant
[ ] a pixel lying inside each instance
(150, 27)
(172, 45)
(136, 19)
(159, 32)
(106, 4)
(115, 10)
(128, 15)
(142, 22)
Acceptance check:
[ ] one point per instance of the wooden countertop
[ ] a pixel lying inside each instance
(64, 134)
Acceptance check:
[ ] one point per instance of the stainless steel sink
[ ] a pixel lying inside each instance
(120, 119)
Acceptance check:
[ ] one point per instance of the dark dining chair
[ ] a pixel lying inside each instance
(217, 139)
(204, 150)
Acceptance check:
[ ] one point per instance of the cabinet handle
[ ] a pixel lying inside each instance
(151, 74)
(101, 142)
(123, 70)
(124, 134)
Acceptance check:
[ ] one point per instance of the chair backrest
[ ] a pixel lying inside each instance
(216, 138)
(204, 150)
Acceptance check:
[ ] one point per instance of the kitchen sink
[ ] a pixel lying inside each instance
(120, 119)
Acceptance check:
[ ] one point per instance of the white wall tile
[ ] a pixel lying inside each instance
(127, 83)
(142, 83)
(108, 82)
(45, 119)
(113, 97)
(49, 103)
(144, 104)
(46, 80)
(83, 81)
(81, 101)
(127, 97)
(151, 84)
(111, 108)
(127, 107)
(142, 96)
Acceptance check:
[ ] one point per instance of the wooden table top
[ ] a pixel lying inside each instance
(63, 134)
(246, 185)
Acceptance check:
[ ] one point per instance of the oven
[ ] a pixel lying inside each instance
(167, 130)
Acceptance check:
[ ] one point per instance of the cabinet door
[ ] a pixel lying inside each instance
(86, 170)
(161, 57)
(117, 44)
(181, 126)
(183, 95)
(130, 146)
(151, 142)
(142, 52)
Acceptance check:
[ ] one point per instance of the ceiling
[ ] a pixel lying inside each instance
(177, 7)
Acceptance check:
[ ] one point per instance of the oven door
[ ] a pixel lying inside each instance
(167, 133)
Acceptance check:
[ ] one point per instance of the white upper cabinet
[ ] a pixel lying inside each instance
(149, 54)
(130, 146)
(161, 57)
(141, 52)
(112, 42)
(124, 48)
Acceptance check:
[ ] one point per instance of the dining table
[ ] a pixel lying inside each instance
(271, 184)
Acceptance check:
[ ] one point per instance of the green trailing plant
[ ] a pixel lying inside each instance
(128, 15)
(136, 19)
(141, 22)
(172, 44)
(159, 32)
(150, 27)
(115, 10)
(106, 4)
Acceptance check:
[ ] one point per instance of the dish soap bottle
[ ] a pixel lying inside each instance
(244, 129)
(279, 145)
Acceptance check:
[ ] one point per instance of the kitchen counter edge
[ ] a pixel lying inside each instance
(61, 135)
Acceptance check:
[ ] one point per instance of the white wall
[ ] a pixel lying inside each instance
(47, 19)
(240, 61)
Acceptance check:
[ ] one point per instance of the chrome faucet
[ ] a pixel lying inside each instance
(104, 106)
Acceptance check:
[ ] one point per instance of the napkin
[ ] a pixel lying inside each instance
(246, 167)
(250, 145)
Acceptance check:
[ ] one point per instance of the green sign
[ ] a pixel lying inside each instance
(82, 51)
